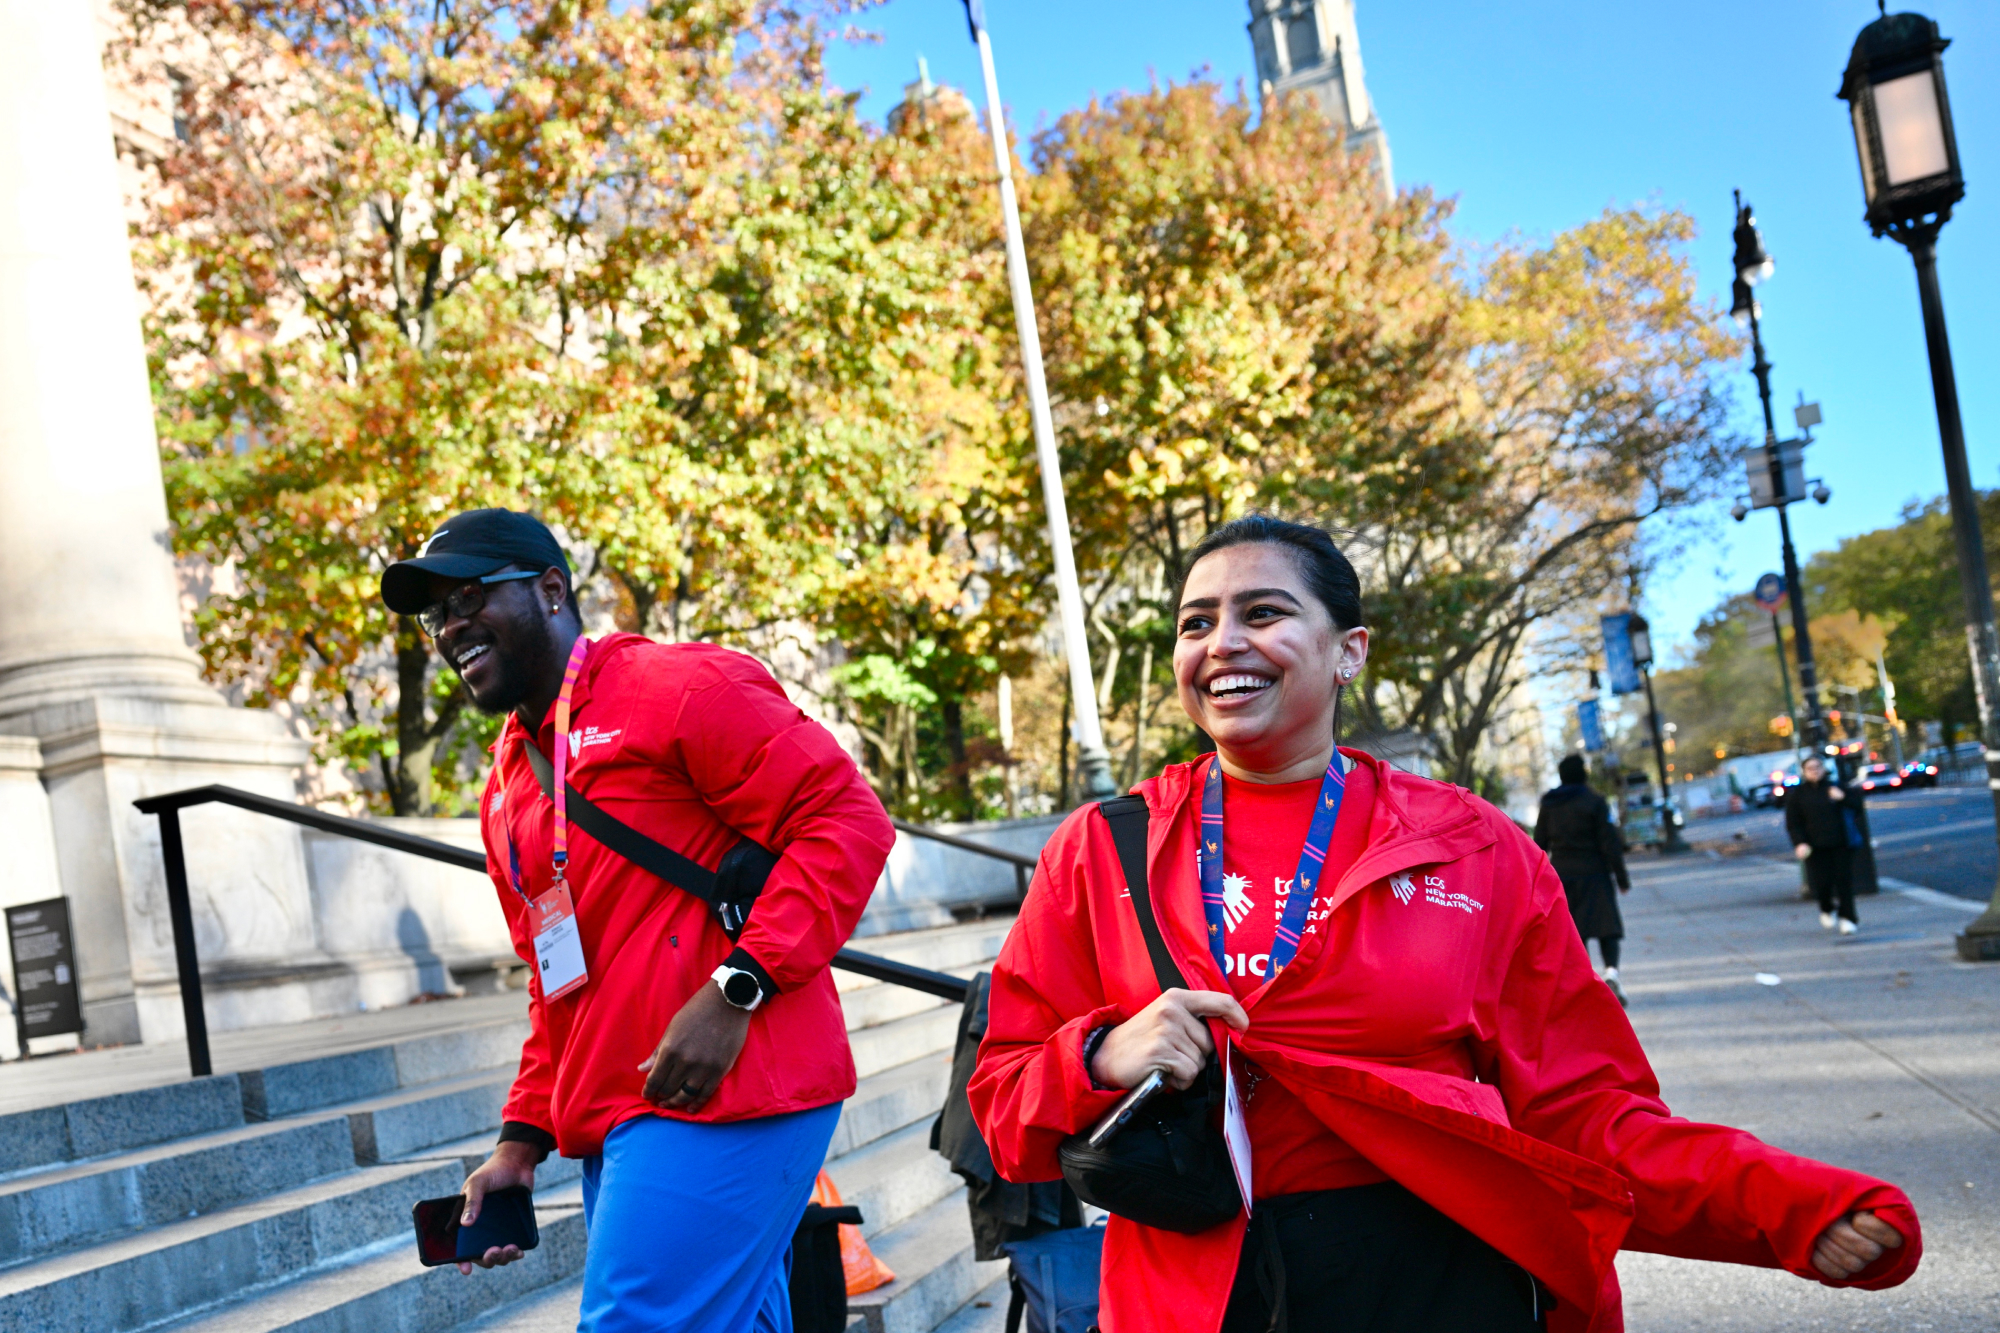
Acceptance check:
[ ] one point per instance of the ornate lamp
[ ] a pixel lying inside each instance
(1894, 89)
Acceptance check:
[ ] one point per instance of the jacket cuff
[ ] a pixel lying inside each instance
(743, 960)
(520, 1131)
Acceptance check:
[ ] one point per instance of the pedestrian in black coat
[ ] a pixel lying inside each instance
(1819, 815)
(1588, 852)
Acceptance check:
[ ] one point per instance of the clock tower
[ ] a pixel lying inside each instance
(1313, 47)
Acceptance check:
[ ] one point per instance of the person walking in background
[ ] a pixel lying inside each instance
(1820, 820)
(694, 1058)
(1588, 852)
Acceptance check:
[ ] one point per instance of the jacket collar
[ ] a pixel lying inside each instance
(601, 651)
(1415, 822)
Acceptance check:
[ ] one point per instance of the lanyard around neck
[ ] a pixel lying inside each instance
(561, 857)
(576, 655)
(1312, 859)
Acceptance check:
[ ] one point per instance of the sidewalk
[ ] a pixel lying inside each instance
(1879, 1052)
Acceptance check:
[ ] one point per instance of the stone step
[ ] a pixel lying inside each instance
(894, 1178)
(986, 1312)
(99, 1126)
(62, 1208)
(413, 1119)
(908, 1094)
(553, 1309)
(384, 1289)
(943, 949)
(930, 1032)
(875, 1005)
(167, 1271)
(936, 1274)
(307, 1085)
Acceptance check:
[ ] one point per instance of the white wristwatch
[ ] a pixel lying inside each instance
(740, 988)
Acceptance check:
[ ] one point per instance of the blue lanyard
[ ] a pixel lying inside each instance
(1291, 928)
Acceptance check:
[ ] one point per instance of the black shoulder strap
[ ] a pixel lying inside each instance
(1128, 817)
(620, 837)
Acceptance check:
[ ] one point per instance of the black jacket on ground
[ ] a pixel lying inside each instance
(1814, 818)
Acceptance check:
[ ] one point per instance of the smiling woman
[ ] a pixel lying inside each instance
(1450, 1126)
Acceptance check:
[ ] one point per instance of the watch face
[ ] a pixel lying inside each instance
(740, 990)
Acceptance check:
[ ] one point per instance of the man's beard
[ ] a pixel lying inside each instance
(532, 642)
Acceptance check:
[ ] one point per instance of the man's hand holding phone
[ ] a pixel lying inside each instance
(1170, 1034)
(511, 1164)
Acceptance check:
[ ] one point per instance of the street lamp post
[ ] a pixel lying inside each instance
(1642, 657)
(1910, 178)
(1753, 265)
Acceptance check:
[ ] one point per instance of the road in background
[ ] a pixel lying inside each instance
(1938, 837)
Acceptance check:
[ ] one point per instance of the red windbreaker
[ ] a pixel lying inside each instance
(694, 746)
(1444, 1021)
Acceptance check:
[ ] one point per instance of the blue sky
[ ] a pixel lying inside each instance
(1537, 116)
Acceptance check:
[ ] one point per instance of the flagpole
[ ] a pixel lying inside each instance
(1093, 761)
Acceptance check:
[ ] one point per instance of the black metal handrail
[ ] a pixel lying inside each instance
(168, 806)
(1023, 865)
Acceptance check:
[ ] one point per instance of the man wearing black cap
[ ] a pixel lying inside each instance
(696, 1061)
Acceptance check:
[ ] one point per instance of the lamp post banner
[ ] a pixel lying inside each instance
(1619, 664)
(1591, 724)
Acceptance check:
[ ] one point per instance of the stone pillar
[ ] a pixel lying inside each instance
(93, 659)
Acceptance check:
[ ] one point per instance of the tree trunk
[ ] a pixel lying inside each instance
(961, 770)
(416, 744)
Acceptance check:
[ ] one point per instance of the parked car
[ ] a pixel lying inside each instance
(1878, 777)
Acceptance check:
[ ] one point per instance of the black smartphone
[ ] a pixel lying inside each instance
(506, 1217)
(1114, 1120)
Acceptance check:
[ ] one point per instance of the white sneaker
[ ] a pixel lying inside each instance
(1826, 920)
(1849, 928)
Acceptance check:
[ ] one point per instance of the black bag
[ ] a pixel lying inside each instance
(819, 1283)
(1168, 1167)
(730, 890)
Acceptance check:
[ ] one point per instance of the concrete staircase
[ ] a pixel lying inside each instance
(279, 1198)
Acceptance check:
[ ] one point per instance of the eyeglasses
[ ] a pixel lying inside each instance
(466, 601)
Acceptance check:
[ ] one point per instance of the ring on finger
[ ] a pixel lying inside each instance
(690, 1089)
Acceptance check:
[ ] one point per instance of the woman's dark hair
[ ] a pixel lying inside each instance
(1573, 770)
(1327, 572)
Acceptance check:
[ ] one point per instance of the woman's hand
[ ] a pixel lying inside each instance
(511, 1164)
(1853, 1243)
(1836, 794)
(1802, 851)
(1168, 1035)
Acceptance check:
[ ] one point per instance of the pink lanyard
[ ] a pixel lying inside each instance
(576, 655)
(570, 673)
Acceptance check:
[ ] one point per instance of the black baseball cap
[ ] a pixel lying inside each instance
(474, 544)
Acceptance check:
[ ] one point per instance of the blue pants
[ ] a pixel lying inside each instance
(691, 1225)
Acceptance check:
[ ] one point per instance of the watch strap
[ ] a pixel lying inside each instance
(741, 960)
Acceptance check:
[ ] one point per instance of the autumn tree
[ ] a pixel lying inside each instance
(1587, 404)
(637, 269)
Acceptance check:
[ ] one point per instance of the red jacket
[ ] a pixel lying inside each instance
(1455, 1036)
(694, 746)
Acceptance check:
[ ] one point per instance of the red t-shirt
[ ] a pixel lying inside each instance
(1263, 830)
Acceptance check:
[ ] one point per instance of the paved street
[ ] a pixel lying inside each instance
(1939, 837)
(1880, 1052)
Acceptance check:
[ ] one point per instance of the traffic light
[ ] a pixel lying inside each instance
(1781, 725)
